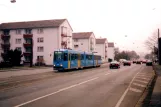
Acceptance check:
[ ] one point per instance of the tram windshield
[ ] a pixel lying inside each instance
(58, 55)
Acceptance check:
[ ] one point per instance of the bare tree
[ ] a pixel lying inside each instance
(151, 41)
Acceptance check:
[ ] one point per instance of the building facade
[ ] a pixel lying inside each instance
(45, 35)
(102, 48)
(84, 41)
(111, 52)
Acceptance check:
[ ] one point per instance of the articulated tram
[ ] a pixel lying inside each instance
(65, 59)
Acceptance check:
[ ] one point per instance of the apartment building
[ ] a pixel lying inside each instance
(111, 51)
(102, 48)
(46, 36)
(84, 41)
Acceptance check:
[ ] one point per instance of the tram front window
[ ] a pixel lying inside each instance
(58, 55)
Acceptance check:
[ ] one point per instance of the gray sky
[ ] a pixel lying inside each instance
(112, 19)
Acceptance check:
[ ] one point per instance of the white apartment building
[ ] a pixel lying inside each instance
(84, 41)
(47, 36)
(102, 48)
(111, 53)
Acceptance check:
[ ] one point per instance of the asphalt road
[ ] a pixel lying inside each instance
(101, 87)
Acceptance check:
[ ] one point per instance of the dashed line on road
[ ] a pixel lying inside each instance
(143, 78)
(141, 81)
(140, 85)
(135, 90)
(60, 90)
(124, 94)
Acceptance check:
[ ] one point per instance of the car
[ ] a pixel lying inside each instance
(128, 63)
(138, 62)
(114, 64)
(144, 61)
(149, 63)
(134, 62)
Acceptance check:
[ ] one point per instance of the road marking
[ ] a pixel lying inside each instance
(143, 78)
(60, 90)
(140, 85)
(122, 97)
(141, 81)
(107, 73)
(135, 90)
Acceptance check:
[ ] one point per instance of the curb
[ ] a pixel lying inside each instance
(146, 95)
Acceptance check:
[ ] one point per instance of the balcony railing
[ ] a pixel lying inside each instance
(5, 37)
(5, 45)
(27, 35)
(27, 53)
(27, 45)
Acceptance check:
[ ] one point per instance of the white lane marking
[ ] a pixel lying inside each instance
(140, 85)
(135, 90)
(141, 81)
(107, 73)
(122, 97)
(143, 78)
(60, 90)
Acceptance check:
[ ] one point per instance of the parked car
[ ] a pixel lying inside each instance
(149, 63)
(114, 64)
(138, 62)
(128, 63)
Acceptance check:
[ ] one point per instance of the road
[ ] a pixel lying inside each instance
(100, 87)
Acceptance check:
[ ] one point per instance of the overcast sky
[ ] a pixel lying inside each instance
(111, 19)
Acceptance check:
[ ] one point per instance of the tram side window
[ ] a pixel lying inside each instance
(72, 56)
(82, 57)
(65, 56)
(86, 56)
(76, 56)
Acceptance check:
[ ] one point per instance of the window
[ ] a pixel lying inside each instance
(18, 41)
(75, 40)
(75, 46)
(65, 56)
(40, 49)
(58, 55)
(18, 48)
(6, 32)
(18, 31)
(40, 58)
(40, 39)
(82, 57)
(81, 43)
(40, 30)
(28, 31)
(72, 56)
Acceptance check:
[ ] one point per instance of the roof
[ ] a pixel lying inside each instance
(82, 35)
(32, 24)
(110, 44)
(101, 41)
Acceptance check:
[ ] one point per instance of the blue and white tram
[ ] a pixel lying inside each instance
(70, 59)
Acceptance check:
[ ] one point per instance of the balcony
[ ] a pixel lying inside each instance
(27, 53)
(5, 37)
(27, 45)
(5, 45)
(27, 35)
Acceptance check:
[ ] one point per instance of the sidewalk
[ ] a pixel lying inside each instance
(156, 95)
(21, 72)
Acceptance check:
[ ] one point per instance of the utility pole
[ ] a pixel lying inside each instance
(159, 48)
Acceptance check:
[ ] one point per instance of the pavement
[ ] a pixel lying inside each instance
(156, 94)
(97, 87)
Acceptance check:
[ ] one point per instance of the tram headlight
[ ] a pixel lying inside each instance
(54, 65)
(61, 65)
